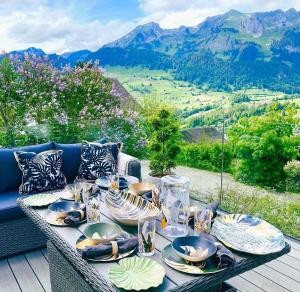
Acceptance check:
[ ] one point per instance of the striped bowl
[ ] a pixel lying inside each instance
(126, 207)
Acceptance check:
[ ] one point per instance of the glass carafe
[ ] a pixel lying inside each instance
(175, 205)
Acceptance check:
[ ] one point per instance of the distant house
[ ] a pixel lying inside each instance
(202, 134)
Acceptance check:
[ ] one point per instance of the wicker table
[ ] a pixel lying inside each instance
(69, 272)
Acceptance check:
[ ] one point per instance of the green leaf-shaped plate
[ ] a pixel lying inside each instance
(41, 200)
(136, 273)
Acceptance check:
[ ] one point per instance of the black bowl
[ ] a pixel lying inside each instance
(194, 248)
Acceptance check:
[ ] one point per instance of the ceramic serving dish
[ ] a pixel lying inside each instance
(126, 207)
(136, 273)
(140, 189)
(248, 234)
(102, 232)
(194, 248)
(61, 209)
(41, 200)
(172, 259)
(102, 182)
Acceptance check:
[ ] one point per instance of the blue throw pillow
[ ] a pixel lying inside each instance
(41, 172)
(71, 158)
(10, 174)
(98, 159)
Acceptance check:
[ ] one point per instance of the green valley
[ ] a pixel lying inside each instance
(196, 105)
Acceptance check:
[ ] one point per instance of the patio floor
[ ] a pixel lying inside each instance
(30, 272)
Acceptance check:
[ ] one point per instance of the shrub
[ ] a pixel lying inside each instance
(69, 104)
(205, 156)
(164, 143)
(263, 145)
(239, 98)
(292, 173)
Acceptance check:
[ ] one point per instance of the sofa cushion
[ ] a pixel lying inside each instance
(9, 208)
(98, 160)
(71, 158)
(41, 172)
(10, 174)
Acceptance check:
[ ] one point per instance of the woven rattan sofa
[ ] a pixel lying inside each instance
(17, 232)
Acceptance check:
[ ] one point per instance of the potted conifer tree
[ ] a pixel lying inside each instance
(164, 144)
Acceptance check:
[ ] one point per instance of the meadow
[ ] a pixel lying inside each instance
(190, 101)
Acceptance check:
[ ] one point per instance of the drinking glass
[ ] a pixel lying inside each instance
(78, 189)
(113, 181)
(175, 206)
(156, 196)
(87, 190)
(83, 189)
(146, 235)
(93, 209)
(202, 219)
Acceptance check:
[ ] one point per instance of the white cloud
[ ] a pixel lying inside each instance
(36, 24)
(25, 23)
(173, 13)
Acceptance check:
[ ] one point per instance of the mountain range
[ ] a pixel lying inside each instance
(229, 51)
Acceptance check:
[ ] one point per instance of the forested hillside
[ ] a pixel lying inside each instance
(225, 52)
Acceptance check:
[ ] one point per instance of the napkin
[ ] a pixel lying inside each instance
(101, 249)
(75, 217)
(224, 256)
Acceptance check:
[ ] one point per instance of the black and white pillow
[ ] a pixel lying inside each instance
(41, 172)
(98, 160)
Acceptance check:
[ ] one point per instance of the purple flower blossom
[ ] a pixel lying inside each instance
(78, 96)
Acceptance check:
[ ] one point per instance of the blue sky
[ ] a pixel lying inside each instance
(69, 25)
(103, 10)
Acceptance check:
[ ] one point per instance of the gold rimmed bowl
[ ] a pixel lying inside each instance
(140, 189)
(102, 232)
(126, 207)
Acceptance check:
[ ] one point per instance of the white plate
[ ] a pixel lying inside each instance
(248, 234)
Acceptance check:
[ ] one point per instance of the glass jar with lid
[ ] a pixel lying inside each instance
(175, 205)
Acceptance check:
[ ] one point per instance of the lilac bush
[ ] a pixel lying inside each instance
(71, 103)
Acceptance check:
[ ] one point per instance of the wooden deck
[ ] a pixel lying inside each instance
(30, 272)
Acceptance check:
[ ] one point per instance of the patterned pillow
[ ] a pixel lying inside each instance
(98, 159)
(41, 172)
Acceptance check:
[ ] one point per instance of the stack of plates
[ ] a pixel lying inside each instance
(58, 211)
(191, 255)
(102, 233)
